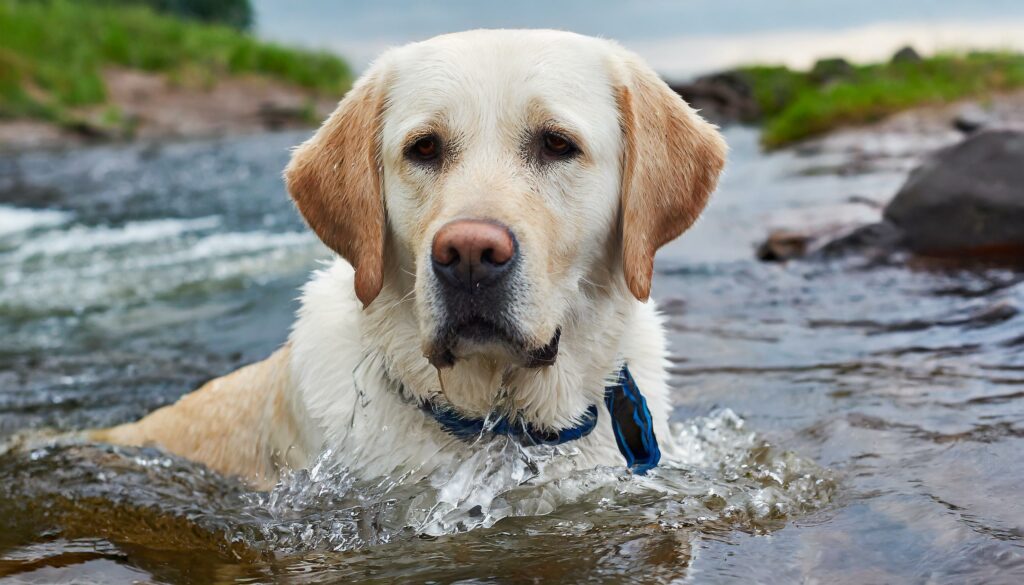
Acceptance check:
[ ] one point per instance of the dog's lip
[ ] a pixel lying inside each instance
(479, 327)
(483, 329)
(545, 356)
(472, 328)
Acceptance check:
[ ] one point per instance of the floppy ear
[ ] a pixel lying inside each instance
(671, 162)
(334, 179)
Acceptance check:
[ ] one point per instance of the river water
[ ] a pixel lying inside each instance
(843, 423)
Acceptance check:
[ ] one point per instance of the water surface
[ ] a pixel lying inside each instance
(841, 423)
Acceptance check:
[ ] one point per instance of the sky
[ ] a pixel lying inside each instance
(679, 38)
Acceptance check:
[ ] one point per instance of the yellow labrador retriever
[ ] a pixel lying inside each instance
(496, 198)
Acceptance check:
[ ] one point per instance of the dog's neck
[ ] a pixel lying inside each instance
(350, 366)
(551, 397)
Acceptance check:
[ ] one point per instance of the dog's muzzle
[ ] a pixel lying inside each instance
(476, 264)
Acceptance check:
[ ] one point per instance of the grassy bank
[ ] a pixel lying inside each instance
(800, 104)
(53, 52)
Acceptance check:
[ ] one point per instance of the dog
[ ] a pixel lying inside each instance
(495, 199)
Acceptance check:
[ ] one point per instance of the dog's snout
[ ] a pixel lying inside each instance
(472, 253)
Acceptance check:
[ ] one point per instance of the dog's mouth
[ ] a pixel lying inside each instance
(478, 334)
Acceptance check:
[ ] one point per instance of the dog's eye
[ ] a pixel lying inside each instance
(425, 149)
(557, 146)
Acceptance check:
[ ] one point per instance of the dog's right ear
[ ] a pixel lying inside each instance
(335, 180)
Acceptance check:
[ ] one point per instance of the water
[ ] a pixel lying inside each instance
(841, 423)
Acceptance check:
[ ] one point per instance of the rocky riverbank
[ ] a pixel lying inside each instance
(154, 106)
(792, 106)
(78, 72)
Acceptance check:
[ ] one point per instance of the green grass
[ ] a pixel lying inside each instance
(52, 53)
(797, 105)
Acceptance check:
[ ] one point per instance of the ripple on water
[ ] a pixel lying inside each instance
(84, 268)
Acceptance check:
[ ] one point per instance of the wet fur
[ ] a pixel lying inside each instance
(354, 367)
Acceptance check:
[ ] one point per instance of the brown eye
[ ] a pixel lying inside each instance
(558, 146)
(425, 149)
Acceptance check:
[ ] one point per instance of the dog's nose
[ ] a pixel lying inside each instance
(471, 254)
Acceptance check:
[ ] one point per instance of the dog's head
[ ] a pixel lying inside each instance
(501, 176)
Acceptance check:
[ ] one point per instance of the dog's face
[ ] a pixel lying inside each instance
(500, 177)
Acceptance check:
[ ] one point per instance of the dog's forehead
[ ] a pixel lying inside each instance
(473, 76)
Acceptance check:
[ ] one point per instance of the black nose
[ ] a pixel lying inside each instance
(472, 254)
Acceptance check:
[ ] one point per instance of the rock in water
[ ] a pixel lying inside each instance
(783, 245)
(966, 199)
(971, 119)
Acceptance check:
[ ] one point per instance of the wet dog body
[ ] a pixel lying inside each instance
(496, 198)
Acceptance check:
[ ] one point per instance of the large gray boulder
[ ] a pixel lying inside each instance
(966, 199)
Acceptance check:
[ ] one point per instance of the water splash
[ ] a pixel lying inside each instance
(725, 475)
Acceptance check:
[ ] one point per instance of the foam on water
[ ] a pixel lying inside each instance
(14, 220)
(79, 239)
(87, 267)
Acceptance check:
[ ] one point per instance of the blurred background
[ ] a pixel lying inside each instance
(845, 320)
(679, 39)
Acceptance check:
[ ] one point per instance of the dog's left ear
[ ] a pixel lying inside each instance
(671, 162)
(334, 179)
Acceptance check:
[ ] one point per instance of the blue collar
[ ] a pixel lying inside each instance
(631, 424)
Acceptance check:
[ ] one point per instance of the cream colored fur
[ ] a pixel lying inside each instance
(350, 377)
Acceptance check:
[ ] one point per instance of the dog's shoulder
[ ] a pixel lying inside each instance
(239, 424)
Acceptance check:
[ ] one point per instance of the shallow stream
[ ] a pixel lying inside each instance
(842, 423)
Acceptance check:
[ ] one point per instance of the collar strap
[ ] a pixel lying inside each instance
(631, 424)
(470, 428)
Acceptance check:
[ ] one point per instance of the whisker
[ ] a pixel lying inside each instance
(400, 301)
